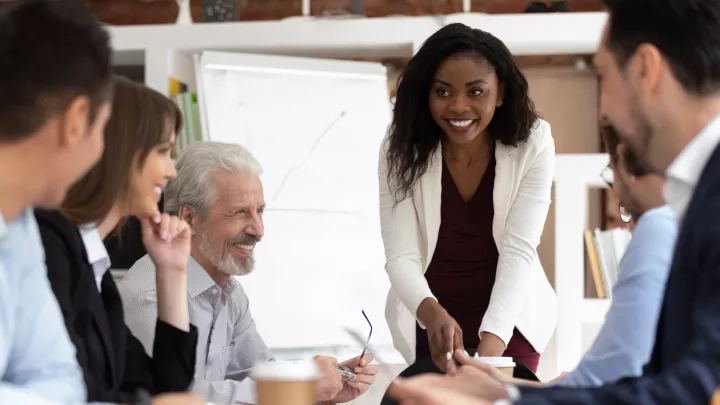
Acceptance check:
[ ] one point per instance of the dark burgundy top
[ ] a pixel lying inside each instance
(462, 271)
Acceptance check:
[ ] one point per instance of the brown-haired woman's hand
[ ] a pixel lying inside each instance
(444, 333)
(167, 241)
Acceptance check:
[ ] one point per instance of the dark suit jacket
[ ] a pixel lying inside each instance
(114, 362)
(685, 364)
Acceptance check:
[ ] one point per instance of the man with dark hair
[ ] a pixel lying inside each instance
(55, 81)
(625, 341)
(55, 86)
(659, 68)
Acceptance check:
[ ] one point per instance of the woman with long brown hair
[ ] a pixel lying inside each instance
(127, 181)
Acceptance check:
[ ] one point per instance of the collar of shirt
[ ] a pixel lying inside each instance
(200, 281)
(684, 172)
(96, 252)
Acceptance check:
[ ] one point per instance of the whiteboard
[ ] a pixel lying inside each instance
(316, 127)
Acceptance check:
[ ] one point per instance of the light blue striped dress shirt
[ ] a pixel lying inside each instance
(229, 345)
(625, 342)
(37, 359)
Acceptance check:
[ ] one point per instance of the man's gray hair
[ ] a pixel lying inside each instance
(193, 185)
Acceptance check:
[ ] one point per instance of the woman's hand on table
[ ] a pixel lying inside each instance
(444, 333)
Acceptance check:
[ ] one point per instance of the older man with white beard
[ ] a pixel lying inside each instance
(219, 193)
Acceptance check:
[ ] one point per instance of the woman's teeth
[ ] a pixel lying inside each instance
(157, 190)
(461, 123)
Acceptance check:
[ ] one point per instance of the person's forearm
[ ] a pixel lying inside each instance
(172, 298)
(428, 309)
(527, 383)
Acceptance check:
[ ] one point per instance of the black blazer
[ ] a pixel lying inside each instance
(685, 364)
(114, 362)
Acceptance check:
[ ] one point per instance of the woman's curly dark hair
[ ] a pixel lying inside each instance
(414, 134)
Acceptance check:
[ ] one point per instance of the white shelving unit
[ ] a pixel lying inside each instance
(574, 175)
(167, 50)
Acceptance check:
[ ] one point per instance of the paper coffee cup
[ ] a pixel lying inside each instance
(285, 383)
(504, 364)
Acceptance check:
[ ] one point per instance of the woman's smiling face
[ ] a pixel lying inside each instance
(463, 97)
(148, 180)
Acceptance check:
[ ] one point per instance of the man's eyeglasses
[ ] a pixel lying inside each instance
(347, 372)
(609, 178)
(369, 335)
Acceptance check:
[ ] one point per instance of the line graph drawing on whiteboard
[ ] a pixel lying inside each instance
(312, 149)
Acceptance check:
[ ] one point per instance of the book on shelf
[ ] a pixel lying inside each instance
(604, 251)
(177, 87)
(188, 104)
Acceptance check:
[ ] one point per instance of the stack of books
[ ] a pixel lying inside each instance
(188, 104)
(604, 250)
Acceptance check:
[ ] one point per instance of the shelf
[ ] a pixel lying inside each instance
(524, 34)
(574, 175)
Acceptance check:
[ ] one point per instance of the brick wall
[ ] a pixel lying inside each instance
(124, 12)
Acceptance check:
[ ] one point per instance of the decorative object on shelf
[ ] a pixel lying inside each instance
(356, 7)
(559, 6)
(184, 17)
(537, 7)
(220, 10)
(541, 6)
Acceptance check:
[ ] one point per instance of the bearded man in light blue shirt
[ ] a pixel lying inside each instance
(625, 342)
(55, 81)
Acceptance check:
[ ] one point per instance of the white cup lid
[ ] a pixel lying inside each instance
(285, 371)
(497, 361)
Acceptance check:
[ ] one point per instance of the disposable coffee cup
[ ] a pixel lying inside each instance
(285, 383)
(504, 364)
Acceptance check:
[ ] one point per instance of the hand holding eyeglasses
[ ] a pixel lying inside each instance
(333, 387)
(348, 380)
(347, 372)
(364, 377)
(330, 382)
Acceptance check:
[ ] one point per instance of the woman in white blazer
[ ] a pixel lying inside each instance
(465, 178)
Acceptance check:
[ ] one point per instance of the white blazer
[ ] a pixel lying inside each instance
(522, 296)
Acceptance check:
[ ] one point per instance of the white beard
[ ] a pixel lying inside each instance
(226, 264)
